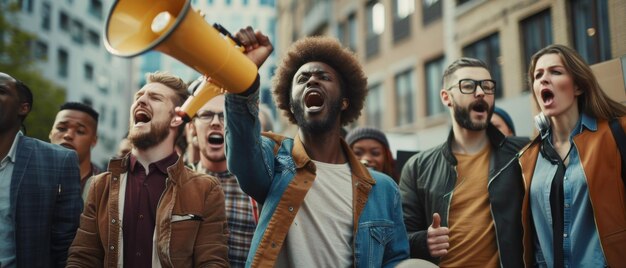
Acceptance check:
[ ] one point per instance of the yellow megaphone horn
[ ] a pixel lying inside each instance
(134, 27)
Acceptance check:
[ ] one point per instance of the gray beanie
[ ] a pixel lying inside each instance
(360, 133)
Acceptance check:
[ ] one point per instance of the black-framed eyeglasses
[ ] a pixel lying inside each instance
(209, 115)
(468, 86)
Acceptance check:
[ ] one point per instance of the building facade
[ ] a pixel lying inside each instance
(72, 55)
(404, 46)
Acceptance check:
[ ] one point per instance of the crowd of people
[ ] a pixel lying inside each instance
(224, 190)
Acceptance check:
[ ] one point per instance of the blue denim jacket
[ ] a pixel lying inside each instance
(275, 171)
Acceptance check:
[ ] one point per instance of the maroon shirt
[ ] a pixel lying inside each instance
(143, 193)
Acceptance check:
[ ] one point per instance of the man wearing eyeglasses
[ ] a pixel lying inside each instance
(208, 128)
(462, 200)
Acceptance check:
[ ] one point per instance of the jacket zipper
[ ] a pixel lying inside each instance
(524, 231)
(493, 217)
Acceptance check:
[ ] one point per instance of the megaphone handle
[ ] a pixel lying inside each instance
(226, 33)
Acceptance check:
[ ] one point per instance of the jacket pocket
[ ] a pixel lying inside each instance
(183, 236)
(374, 237)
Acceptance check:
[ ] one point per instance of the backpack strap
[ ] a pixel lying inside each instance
(620, 139)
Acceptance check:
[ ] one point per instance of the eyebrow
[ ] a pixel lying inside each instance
(314, 72)
(68, 122)
(150, 93)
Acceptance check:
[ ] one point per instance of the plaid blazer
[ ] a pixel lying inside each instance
(45, 201)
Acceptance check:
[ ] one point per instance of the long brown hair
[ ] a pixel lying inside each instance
(593, 101)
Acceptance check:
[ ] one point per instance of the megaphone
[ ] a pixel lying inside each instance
(134, 27)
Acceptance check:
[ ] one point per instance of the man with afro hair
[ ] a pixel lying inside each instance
(321, 207)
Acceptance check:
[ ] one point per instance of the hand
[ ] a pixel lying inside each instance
(258, 46)
(437, 238)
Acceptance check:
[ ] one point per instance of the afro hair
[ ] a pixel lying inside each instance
(327, 50)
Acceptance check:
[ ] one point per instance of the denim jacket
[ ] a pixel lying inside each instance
(277, 172)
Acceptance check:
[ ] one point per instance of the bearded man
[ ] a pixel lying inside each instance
(321, 206)
(148, 209)
(462, 200)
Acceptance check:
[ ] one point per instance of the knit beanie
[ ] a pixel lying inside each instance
(360, 133)
(505, 116)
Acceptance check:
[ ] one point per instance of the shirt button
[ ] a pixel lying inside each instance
(145, 184)
(113, 221)
(138, 253)
(291, 209)
(565, 235)
(567, 205)
(114, 178)
(112, 248)
(565, 178)
(140, 216)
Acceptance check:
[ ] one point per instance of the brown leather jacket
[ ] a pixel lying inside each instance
(181, 241)
(601, 162)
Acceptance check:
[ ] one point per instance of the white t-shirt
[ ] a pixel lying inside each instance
(321, 233)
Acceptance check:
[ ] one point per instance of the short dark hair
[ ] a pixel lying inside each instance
(327, 50)
(461, 63)
(25, 94)
(80, 107)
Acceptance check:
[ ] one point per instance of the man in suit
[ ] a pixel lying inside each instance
(40, 201)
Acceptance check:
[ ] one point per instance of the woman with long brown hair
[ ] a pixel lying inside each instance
(575, 198)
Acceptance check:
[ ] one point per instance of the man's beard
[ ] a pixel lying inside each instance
(463, 118)
(317, 126)
(142, 141)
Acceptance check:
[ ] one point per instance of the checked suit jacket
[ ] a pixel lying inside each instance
(46, 202)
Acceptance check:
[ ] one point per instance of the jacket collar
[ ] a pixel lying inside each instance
(496, 138)
(301, 159)
(122, 165)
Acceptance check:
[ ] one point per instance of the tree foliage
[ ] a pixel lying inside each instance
(17, 60)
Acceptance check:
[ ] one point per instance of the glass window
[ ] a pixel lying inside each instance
(94, 38)
(590, 27)
(488, 50)
(62, 63)
(77, 32)
(88, 71)
(348, 31)
(404, 97)
(375, 19)
(45, 16)
(95, 8)
(27, 5)
(434, 74)
(269, 3)
(401, 19)
(41, 50)
(64, 21)
(431, 11)
(536, 34)
(373, 106)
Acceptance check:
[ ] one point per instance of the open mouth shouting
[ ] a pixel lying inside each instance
(480, 107)
(142, 117)
(216, 139)
(313, 100)
(547, 97)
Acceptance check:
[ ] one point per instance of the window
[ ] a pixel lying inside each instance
(77, 32)
(27, 5)
(434, 74)
(488, 50)
(431, 11)
(373, 106)
(348, 31)
(590, 27)
(269, 3)
(228, 2)
(87, 101)
(375, 19)
(460, 2)
(40, 50)
(404, 97)
(88, 71)
(95, 8)
(45, 16)
(536, 34)
(64, 21)
(93, 37)
(401, 19)
(62, 63)
(113, 118)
